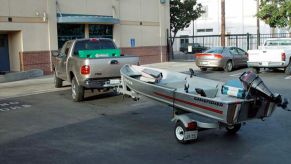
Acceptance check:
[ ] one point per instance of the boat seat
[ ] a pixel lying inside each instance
(151, 76)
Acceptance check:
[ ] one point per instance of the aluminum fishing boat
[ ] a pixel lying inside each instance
(228, 104)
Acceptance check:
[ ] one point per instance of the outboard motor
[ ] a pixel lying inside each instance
(256, 87)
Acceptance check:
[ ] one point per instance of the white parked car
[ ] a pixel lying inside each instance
(276, 53)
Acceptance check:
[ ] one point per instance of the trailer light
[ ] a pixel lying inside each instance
(192, 125)
(283, 56)
(85, 70)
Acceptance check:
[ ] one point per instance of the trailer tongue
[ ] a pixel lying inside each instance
(225, 104)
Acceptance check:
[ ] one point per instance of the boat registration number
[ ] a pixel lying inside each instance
(191, 135)
(204, 63)
(114, 81)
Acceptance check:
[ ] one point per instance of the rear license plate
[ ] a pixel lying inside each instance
(191, 135)
(204, 63)
(265, 63)
(114, 81)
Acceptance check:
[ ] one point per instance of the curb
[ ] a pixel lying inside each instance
(21, 75)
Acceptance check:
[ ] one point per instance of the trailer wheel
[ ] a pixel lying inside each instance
(77, 91)
(180, 130)
(233, 129)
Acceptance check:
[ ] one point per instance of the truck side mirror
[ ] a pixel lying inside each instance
(55, 53)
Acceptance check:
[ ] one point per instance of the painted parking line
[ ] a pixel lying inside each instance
(6, 106)
(33, 93)
(288, 77)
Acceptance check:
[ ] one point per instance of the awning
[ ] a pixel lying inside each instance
(75, 18)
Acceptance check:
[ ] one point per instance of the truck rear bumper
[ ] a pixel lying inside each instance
(101, 83)
(267, 64)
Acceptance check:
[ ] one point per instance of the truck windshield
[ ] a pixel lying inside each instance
(93, 44)
(278, 43)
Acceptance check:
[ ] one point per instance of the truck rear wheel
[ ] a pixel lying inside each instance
(77, 91)
(288, 69)
(256, 70)
(58, 82)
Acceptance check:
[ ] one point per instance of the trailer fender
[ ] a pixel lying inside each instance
(183, 118)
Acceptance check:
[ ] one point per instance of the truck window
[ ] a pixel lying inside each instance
(93, 44)
(278, 43)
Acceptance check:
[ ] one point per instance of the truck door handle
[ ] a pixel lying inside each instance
(114, 62)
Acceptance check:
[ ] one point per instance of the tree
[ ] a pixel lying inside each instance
(182, 12)
(276, 13)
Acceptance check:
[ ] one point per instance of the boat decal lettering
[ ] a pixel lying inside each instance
(209, 101)
(190, 103)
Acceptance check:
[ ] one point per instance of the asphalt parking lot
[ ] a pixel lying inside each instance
(47, 127)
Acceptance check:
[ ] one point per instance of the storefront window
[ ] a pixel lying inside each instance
(100, 31)
(70, 31)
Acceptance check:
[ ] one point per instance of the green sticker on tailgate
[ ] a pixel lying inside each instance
(99, 53)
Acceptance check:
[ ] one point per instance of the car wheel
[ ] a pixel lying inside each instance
(256, 70)
(233, 129)
(77, 91)
(57, 81)
(228, 67)
(203, 69)
(288, 69)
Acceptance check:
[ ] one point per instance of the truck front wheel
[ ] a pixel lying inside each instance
(58, 82)
(77, 91)
(288, 69)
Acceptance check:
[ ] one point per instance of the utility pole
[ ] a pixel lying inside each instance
(258, 26)
(223, 23)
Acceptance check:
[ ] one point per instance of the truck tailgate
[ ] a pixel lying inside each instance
(265, 55)
(109, 67)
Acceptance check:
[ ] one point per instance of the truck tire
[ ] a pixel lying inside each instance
(203, 69)
(288, 69)
(228, 66)
(77, 91)
(233, 129)
(57, 81)
(256, 70)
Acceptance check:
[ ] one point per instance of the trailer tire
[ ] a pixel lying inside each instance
(233, 129)
(180, 130)
(77, 91)
(288, 69)
(58, 82)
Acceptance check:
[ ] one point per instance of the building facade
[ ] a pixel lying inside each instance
(31, 29)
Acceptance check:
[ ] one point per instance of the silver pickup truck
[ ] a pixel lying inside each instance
(89, 64)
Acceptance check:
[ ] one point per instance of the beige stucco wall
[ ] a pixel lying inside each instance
(15, 46)
(144, 20)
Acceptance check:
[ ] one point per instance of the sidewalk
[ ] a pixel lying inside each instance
(46, 83)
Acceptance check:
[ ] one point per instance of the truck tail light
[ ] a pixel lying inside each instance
(85, 70)
(283, 56)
